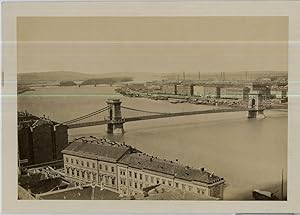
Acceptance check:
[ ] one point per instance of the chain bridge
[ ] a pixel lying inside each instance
(115, 120)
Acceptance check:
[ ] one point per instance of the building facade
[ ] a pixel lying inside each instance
(235, 93)
(185, 90)
(279, 92)
(169, 88)
(40, 140)
(127, 171)
(206, 91)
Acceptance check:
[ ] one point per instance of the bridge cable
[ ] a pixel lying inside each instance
(144, 111)
(82, 118)
(86, 116)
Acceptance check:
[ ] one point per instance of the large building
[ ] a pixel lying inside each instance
(279, 92)
(206, 91)
(169, 88)
(263, 88)
(235, 93)
(40, 140)
(185, 90)
(127, 171)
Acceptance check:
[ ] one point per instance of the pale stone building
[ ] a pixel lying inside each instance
(127, 171)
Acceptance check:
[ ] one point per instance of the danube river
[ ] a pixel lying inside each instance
(249, 154)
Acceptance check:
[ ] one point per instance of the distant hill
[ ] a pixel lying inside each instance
(106, 80)
(53, 76)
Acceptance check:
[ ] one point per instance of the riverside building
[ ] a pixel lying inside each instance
(128, 171)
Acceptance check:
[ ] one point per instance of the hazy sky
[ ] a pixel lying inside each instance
(152, 44)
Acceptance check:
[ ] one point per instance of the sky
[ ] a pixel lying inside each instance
(152, 44)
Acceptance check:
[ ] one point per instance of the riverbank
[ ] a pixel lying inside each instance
(175, 99)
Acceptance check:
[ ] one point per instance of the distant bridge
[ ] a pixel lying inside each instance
(115, 120)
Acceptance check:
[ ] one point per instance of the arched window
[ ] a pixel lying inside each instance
(253, 103)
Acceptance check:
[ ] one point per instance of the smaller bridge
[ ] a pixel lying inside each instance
(115, 121)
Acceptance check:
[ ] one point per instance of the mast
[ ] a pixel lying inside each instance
(281, 184)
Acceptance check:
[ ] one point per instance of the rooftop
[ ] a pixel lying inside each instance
(97, 148)
(144, 161)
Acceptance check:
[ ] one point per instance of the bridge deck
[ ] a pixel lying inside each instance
(156, 116)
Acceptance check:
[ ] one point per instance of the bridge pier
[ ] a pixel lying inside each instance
(114, 121)
(255, 107)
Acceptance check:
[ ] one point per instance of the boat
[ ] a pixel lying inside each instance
(267, 195)
(264, 195)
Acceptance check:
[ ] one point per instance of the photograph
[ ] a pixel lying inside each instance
(152, 108)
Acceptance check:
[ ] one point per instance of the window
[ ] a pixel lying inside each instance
(112, 169)
(141, 186)
(202, 192)
(100, 166)
(113, 181)
(198, 190)
(130, 183)
(106, 168)
(76, 162)
(93, 165)
(87, 164)
(135, 185)
(82, 164)
(170, 183)
(183, 186)
(176, 185)
(67, 159)
(157, 181)
(190, 188)
(77, 173)
(94, 177)
(130, 174)
(164, 181)
(135, 175)
(141, 176)
(146, 178)
(71, 160)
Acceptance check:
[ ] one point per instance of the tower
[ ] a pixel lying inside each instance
(114, 121)
(255, 107)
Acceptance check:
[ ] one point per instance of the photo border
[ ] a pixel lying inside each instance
(12, 10)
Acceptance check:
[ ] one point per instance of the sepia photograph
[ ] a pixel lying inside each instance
(152, 108)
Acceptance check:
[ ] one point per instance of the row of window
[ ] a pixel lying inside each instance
(90, 176)
(106, 168)
(189, 188)
(81, 174)
(148, 178)
(75, 161)
(108, 180)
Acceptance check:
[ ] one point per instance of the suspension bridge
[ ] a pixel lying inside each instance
(115, 120)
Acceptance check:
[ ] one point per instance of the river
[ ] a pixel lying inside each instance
(249, 154)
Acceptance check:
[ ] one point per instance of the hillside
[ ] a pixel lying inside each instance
(53, 76)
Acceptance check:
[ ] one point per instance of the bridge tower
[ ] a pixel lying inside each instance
(255, 107)
(114, 121)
